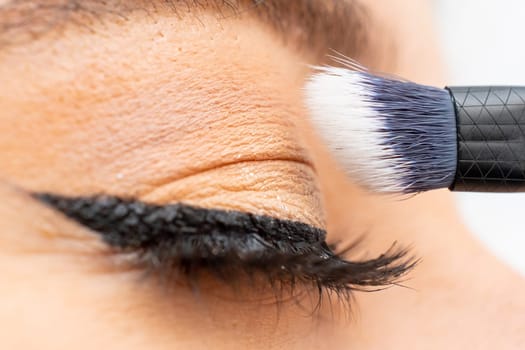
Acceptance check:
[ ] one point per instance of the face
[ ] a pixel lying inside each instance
(161, 187)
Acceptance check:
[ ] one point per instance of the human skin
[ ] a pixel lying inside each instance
(209, 111)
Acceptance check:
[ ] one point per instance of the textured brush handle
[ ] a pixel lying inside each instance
(491, 138)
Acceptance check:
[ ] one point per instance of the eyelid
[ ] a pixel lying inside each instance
(228, 243)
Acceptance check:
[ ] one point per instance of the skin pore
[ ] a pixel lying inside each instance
(207, 109)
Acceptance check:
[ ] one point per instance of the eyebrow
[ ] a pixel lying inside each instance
(315, 25)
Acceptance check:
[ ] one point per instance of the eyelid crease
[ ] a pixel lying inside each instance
(296, 160)
(227, 243)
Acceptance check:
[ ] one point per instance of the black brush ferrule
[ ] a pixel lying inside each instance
(491, 138)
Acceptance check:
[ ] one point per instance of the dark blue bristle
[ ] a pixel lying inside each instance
(420, 127)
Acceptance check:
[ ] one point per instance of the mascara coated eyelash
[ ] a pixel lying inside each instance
(226, 243)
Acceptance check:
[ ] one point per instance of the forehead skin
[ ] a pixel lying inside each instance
(208, 110)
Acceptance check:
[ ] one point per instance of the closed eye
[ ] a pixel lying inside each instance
(228, 244)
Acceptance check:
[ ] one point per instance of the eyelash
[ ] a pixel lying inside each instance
(186, 241)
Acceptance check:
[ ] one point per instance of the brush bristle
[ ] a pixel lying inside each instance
(388, 135)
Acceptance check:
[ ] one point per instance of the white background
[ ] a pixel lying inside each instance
(484, 43)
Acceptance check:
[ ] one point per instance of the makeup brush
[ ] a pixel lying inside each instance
(397, 136)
